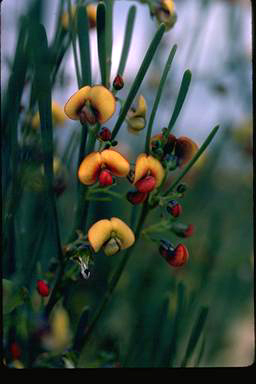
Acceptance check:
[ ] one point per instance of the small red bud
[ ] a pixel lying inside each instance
(179, 256)
(136, 197)
(146, 184)
(105, 134)
(105, 178)
(174, 208)
(189, 231)
(15, 351)
(118, 83)
(43, 288)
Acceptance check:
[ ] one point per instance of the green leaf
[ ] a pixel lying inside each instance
(101, 37)
(185, 83)
(41, 59)
(73, 40)
(139, 78)
(193, 160)
(84, 45)
(127, 39)
(158, 95)
(195, 335)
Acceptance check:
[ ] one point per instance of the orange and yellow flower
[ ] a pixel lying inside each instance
(149, 173)
(112, 235)
(183, 148)
(136, 118)
(91, 10)
(101, 166)
(91, 105)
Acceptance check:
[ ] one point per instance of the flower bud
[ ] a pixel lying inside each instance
(136, 197)
(105, 134)
(43, 288)
(105, 178)
(174, 208)
(118, 83)
(179, 256)
(166, 249)
(182, 230)
(181, 188)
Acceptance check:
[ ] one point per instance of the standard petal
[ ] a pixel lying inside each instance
(99, 233)
(123, 232)
(115, 162)
(58, 115)
(76, 102)
(141, 167)
(103, 102)
(185, 149)
(89, 168)
(156, 170)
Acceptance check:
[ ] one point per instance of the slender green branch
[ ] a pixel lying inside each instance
(158, 96)
(116, 277)
(73, 40)
(127, 39)
(185, 83)
(139, 78)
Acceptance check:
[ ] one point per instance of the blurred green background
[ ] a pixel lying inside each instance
(214, 41)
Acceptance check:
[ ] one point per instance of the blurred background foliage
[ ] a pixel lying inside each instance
(153, 312)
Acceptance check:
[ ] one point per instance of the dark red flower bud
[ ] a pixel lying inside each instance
(118, 83)
(189, 231)
(136, 197)
(174, 208)
(179, 256)
(146, 184)
(105, 134)
(15, 351)
(166, 249)
(105, 178)
(43, 288)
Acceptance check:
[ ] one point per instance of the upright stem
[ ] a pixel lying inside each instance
(116, 277)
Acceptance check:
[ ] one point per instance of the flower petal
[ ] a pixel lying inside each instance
(141, 167)
(156, 169)
(89, 168)
(58, 115)
(141, 108)
(115, 162)
(123, 232)
(91, 10)
(185, 149)
(99, 233)
(103, 101)
(76, 102)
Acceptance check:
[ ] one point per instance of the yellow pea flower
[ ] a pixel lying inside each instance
(91, 105)
(136, 118)
(112, 235)
(58, 116)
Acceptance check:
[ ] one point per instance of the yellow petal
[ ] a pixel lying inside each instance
(168, 5)
(136, 124)
(123, 232)
(58, 115)
(65, 17)
(91, 13)
(140, 110)
(76, 102)
(99, 233)
(89, 168)
(141, 167)
(103, 102)
(115, 162)
(185, 149)
(156, 170)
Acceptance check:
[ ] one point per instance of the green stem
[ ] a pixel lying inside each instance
(73, 39)
(158, 96)
(116, 277)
